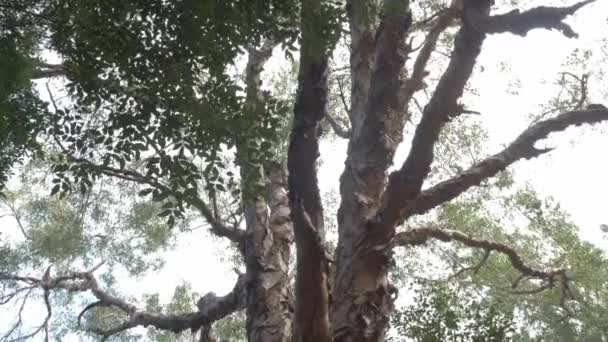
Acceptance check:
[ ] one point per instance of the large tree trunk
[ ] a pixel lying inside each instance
(363, 297)
(269, 231)
(371, 210)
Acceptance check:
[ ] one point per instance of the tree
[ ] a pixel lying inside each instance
(160, 115)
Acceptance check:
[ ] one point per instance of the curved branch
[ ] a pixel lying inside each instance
(405, 184)
(522, 148)
(407, 181)
(550, 278)
(520, 23)
(210, 307)
(421, 236)
(218, 227)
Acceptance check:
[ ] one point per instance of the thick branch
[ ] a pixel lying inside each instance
(48, 71)
(363, 299)
(406, 182)
(520, 23)
(269, 231)
(522, 148)
(210, 307)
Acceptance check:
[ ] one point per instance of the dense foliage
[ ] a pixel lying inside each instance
(131, 128)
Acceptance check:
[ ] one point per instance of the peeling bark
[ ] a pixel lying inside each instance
(363, 297)
(369, 214)
(269, 235)
(406, 183)
(267, 256)
(360, 299)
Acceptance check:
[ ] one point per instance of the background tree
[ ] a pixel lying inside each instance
(165, 120)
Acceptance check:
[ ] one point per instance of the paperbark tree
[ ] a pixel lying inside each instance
(161, 110)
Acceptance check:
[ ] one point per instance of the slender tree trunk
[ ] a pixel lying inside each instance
(312, 285)
(267, 256)
(269, 237)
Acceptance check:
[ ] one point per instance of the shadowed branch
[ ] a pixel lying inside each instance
(210, 307)
(550, 278)
(520, 23)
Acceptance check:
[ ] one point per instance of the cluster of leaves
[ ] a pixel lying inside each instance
(157, 78)
(81, 229)
(22, 114)
(541, 232)
(503, 211)
(442, 313)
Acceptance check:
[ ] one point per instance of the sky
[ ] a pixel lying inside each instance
(575, 173)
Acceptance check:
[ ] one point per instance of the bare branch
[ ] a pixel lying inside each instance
(522, 148)
(340, 131)
(48, 71)
(342, 96)
(416, 80)
(474, 268)
(405, 184)
(344, 133)
(210, 307)
(520, 23)
(420, 236)
(19, 322)
(53, 102)
(5, 298)
(583, 81)
(17, 216)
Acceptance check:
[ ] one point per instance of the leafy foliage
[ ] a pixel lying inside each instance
(22, 113)
(442, 313)
(156, 109)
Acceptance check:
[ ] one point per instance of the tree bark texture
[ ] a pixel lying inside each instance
(312, 269)
(269, 235)
(357, 306)
(267, 256)
(363, 297)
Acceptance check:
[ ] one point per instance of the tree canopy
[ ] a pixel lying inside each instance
(128, 127)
